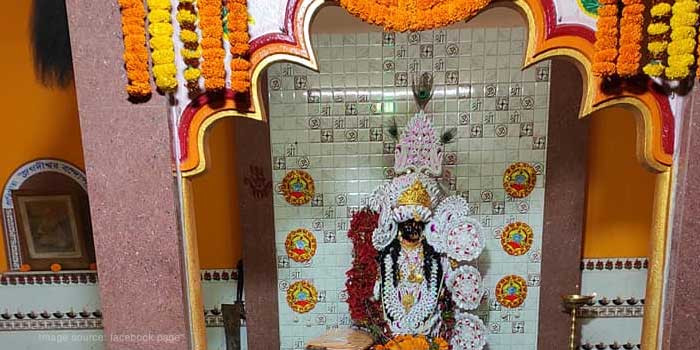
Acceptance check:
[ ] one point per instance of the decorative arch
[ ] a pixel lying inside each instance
(15, 181)
(546, 39)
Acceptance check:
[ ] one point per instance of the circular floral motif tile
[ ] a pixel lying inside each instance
(297, 187)
(302, 296)
(300, 245)
(519, 180)
(511, 291)
(516, 238)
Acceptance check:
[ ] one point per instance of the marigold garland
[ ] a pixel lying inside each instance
(163, 56)
(237, 25)
(631, 25)
(658, 40)
(606, 40)
(681, 49)
(213, 52)
(191, 51)
(419, 15)
(414, 342)
(135, 51)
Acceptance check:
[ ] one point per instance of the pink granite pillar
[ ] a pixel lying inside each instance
(564, 205)
(133, 194)
(681, 309)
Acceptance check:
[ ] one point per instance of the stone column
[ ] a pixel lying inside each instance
(564, 204)
(254, 181)
(681, 309)
(133, 194)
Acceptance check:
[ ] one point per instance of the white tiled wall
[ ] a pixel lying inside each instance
(332, 123)
(627, 282)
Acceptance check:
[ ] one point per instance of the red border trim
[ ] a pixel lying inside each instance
(188, 116)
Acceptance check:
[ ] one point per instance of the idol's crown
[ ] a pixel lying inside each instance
(415, 195)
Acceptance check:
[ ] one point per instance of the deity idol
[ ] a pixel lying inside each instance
(425, 242)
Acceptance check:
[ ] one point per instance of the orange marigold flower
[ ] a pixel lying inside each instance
(240, 64)
(55, 267)
(607, 10)
(603, 68)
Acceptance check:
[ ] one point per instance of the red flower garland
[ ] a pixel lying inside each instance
(364, 272)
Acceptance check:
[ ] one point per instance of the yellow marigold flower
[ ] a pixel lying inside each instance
(164, 69)
(657, 28)
(192, 73)
(163, 56)
(675, 72)
(159, 4)
(156, 16)
(160, 29)
(684, 7)
(188, 36)
(653, 69)
(161, 43)
(657, 46)
(680, 47)
(681, 60)
(186, 16)
(683, 32)
(191, 54)
(660, 9)
(683, 19)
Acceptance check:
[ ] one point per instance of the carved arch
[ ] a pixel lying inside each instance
(546, 39)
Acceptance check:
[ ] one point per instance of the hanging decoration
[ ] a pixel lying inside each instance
(300, 245)
(213, 52)
(302, 296)
(238, 38)
(606, 39)
(363, 273)
(631, 25)
(191, 51)
(403, 16)
(162, 54)
(681, 49)
(658, 37)
(135, 50)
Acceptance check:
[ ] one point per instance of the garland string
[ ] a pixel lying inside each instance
(659, 36)
(413, 15)
(681, 49)
(238, 39)
(631, 25)
(191, 50)
(213, 52)
(162, 49)
(133, 16)
(606, 40)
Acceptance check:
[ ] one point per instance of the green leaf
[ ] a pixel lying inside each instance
(590, 6)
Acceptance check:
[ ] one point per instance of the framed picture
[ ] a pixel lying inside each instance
(51, 230)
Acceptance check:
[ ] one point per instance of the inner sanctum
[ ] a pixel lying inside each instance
(351, 175)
